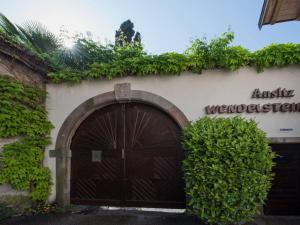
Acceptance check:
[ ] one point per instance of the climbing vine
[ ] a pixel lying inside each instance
(23, 115)
(92, 60)
(276, 55)
(201, 55)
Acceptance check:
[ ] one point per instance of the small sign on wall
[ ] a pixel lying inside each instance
(286, 130)
(96, 156)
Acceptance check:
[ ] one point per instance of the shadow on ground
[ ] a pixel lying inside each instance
(96, 216)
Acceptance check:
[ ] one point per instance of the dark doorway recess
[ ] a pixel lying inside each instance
(128, 154)
(284, 196)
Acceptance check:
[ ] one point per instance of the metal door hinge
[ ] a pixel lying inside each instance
(123, 153)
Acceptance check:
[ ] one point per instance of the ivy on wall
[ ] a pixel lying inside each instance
(92, 60)
(276, 55)
(201, 55)
(23, 115)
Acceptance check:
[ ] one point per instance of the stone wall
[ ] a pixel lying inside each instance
(13, 67)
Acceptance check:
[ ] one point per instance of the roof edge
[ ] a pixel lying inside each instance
(262, 14)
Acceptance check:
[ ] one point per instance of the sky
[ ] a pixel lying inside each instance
(165, 25)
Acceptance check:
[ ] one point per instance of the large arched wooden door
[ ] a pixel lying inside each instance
(128, 154)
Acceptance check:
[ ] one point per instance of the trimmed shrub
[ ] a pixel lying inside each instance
(228, 169)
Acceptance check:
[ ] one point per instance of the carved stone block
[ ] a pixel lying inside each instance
(123, 92)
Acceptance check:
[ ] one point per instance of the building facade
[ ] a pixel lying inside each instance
(169, 102)
(118, 142)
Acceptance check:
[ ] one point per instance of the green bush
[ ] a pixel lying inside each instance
(227, 169)
(217, 54)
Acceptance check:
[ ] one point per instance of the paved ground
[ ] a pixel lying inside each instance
(104, 217)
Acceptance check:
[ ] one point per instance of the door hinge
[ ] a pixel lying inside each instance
(123, 153)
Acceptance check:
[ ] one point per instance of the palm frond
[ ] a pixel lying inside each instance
(25, 37)
(8, 27)
(41, 39)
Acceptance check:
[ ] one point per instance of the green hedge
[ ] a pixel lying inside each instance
(227, 169)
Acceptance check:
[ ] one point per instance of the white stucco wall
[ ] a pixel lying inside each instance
(190, 93)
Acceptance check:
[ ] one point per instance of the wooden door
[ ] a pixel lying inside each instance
(153, 159)
(96, 164)
(284, 196)
(128, 155)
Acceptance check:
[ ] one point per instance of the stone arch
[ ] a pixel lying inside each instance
(122, 93)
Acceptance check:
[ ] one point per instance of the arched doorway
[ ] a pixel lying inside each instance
(121, 95)
(127, 154)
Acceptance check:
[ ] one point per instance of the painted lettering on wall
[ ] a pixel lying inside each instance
(259, 108)
(278, 93)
